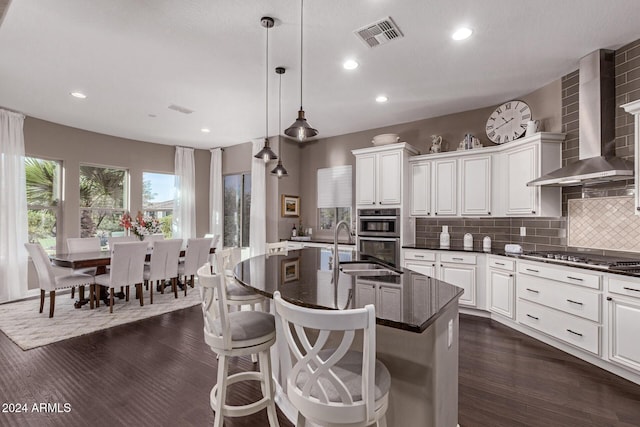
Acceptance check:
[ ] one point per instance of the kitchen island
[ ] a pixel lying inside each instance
(417, 331)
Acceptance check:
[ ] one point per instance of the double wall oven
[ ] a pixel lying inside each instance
(379, 234)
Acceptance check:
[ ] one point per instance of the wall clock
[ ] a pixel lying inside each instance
(508, 121)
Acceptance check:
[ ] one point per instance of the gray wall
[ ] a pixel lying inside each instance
(75, 146)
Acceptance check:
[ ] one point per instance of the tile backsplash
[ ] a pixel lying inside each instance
(606, 223)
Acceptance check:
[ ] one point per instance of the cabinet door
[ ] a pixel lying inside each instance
(365, 294)
(501, 290)
(463, 276)
(389, 303)
(624, 330)
(426, 268)
(390, 178)
(421, 189)
(522, 167)
(444, 179)
(476, 185)
(420, 298)
(366, 179)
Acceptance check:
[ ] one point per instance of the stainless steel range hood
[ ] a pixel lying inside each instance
(596, 103)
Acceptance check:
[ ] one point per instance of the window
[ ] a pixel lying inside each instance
(334, 196)
(43, 184)
(237, 208)
(158, 195)
(103, 196)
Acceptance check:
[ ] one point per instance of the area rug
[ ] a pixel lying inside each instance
(22, 323)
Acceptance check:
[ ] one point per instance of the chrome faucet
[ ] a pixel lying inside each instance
(336, 257)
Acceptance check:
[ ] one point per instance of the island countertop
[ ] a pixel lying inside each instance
(305, 276)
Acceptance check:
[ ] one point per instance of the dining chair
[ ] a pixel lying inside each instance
(83, 244)
(214, 244)
(196, 254)
(48, 280)
(163, 265)
(127, 267)
(239, 333)
(279, 248)
(153, 237)
(334, 386)
(121, 239)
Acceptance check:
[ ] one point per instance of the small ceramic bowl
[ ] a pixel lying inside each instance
(385, 138)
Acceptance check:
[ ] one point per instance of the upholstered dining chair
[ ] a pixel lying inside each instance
(47, 278)
(279, 248)
(83, 244)
(153, 237)
(127, 268)
(196, 254)
(334, 386)
(121, 239)
(163, 265)
(215, 238)
(239, 333)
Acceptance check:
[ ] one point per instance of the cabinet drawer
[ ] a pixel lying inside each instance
(624, 287)
(561, 274)
(418, 255)
(570, 299)
(458, 258)
(502, 263)
(578, 332)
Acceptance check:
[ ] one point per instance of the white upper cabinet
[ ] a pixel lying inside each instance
(475, 177)
(379, 174)
(420, 203)
(489, 181)
(634, 108)
(445, 187)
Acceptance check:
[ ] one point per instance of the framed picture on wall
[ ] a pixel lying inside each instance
(290, 270)
(290, 206)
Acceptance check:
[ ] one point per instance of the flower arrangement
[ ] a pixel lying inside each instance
(140, 225)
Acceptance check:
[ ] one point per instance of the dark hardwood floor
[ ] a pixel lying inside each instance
(159, 372)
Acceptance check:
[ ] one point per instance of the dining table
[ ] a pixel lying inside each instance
(416, 325)
(96, 259)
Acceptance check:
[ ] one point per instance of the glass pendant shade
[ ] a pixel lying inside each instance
(266, 153)
(279, 170)
(300, 129)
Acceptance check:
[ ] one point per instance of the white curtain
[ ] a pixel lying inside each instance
(13, 208)
(258, 218)
(216, 198)
(184, 209)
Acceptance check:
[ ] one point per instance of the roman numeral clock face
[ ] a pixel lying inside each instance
(508, 122)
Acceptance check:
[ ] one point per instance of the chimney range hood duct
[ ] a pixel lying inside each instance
(596, 102)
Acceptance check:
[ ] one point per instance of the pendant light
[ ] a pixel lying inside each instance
(279, 170)
(266, 153)
(300, 129)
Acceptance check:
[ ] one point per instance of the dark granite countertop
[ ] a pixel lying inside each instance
(323, 241)
(493, 251)
(304, 277)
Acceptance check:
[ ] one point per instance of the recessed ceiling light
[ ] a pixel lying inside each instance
(79, 95)
(461, 33)
(350, 64)
(205, 130)
(152, 115)
(381, 98)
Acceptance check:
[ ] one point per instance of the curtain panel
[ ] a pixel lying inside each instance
(13, 208)
(184, 209)
(258, 216)
(216, 198)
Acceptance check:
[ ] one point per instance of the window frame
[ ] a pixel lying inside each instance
(146, 211)
(57, 208)
(241, 234)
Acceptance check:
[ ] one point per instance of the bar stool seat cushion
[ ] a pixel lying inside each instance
(250, 325)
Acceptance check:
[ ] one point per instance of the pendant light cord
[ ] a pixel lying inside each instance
(301, 39)
(280, 119)
(266, 98)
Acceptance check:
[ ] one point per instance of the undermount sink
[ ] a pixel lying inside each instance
(367, 269)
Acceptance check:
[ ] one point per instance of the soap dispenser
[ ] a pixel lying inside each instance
(486, 244)
(468, 241)
(444, 237)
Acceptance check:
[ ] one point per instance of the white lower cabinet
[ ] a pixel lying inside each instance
(463, 276)
(500, 286)
(387, 298)
(624, 322)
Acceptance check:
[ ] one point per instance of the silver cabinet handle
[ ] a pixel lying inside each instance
(532, 270)
(533, 317)
(574, 302)
(419, 256)
(458, 259)
(574, 333)
(533, 290)
(575, 278)
(631, 289)
(499, 263)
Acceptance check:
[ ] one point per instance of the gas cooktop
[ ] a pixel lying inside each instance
(586, 260)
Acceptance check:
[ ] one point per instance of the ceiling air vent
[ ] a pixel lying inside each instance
(380, 32)
(180, 109)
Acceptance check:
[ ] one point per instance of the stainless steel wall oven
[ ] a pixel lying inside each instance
(379, 234)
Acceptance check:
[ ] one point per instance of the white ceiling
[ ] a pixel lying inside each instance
(135, 58)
